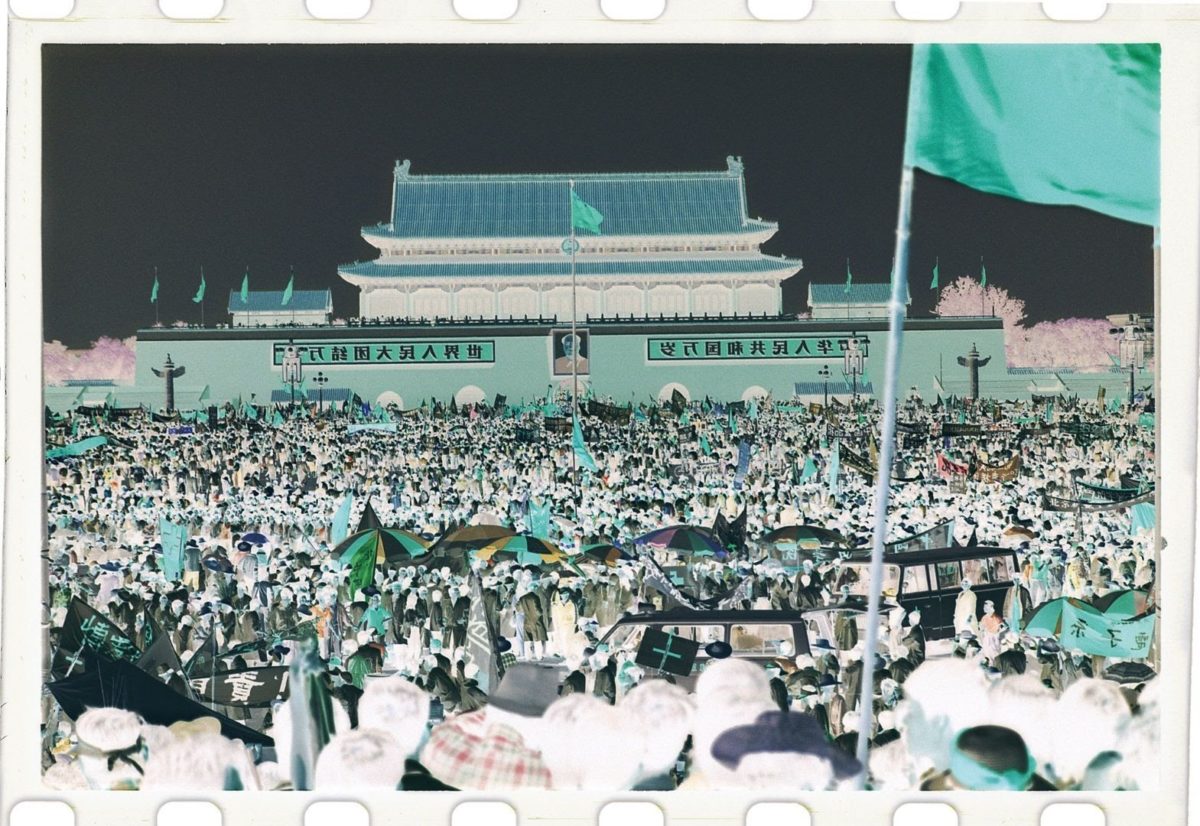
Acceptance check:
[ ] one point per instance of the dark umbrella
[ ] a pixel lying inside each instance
(470, 538)
(391, 545)
(809, 537)
(1129, 673)
(218, 564)
(523, 548)
(686, 540)
(369, 519)
(254, 538)
(607, 553)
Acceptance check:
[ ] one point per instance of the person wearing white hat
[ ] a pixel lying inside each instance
(110, 750)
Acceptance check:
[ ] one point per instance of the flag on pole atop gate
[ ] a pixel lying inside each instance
(199, 296)
(1067, 124)
(584, 216)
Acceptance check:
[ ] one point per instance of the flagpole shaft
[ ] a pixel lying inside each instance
(884, 470)
(574, 345)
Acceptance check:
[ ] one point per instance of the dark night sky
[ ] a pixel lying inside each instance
(273, 156)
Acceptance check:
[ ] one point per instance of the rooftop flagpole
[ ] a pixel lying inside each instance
(887, 446)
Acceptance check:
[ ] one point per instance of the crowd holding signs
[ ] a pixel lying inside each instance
(455, 598)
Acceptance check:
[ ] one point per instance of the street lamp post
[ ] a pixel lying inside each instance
(824, 374)
(853, 363)
(1132, 349)
(320, 380)
(293, 373)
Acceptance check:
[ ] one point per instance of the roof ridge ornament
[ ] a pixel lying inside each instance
(734, 164)
(402, 168)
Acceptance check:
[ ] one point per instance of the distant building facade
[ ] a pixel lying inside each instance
(835, 301)
(492, 246)
(266, 308)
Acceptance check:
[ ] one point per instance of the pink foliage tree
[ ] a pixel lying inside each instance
(107, 359)
(1081, 343)
(1078, 343)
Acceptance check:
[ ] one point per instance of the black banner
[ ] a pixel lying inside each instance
(246, 687)
(87, 630)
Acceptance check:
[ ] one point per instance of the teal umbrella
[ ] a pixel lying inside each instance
(523, 548)
(1046, 619)
(390, 545)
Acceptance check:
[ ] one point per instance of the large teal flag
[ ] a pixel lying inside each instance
(340, 527)
(173, 539)
(1068, 124)
(580, 447)
(1107, 635)
(584, 216)
(245, 294)
(154, 289)
(287, 291)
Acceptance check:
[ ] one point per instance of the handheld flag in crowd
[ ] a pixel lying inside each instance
(743, 465)
(482, 647)
(539, 519)
(835, 467)
(340, 528)
(580, 448)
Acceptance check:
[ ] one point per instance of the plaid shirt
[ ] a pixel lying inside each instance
(468, 752)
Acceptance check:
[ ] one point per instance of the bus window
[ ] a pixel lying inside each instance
(857, 577)
(771, 640)
(703, 634)
(1002, 569)
(891, 581)
(916, 579)
(948, 575)
(978, 571)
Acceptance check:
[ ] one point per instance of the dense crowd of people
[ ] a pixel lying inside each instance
(415, 707)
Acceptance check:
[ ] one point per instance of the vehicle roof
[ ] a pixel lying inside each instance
(935, 555)
(698, 617)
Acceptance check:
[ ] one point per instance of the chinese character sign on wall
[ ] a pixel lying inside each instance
(391, 351)
(761, 348)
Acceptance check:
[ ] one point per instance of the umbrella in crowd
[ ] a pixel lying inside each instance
(470, 538)
(523, 548)
(255, 538)
(1046, 619)
(808, 537)
(1123, 603)
(686, 540)
(218, 564)
(391, 545)
(1129, 673)
(606, 553)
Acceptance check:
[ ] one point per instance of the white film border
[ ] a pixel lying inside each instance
(581, 21)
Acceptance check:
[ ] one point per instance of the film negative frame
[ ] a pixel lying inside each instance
(582, 21)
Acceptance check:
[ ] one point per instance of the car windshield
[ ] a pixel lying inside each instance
(858, 576)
